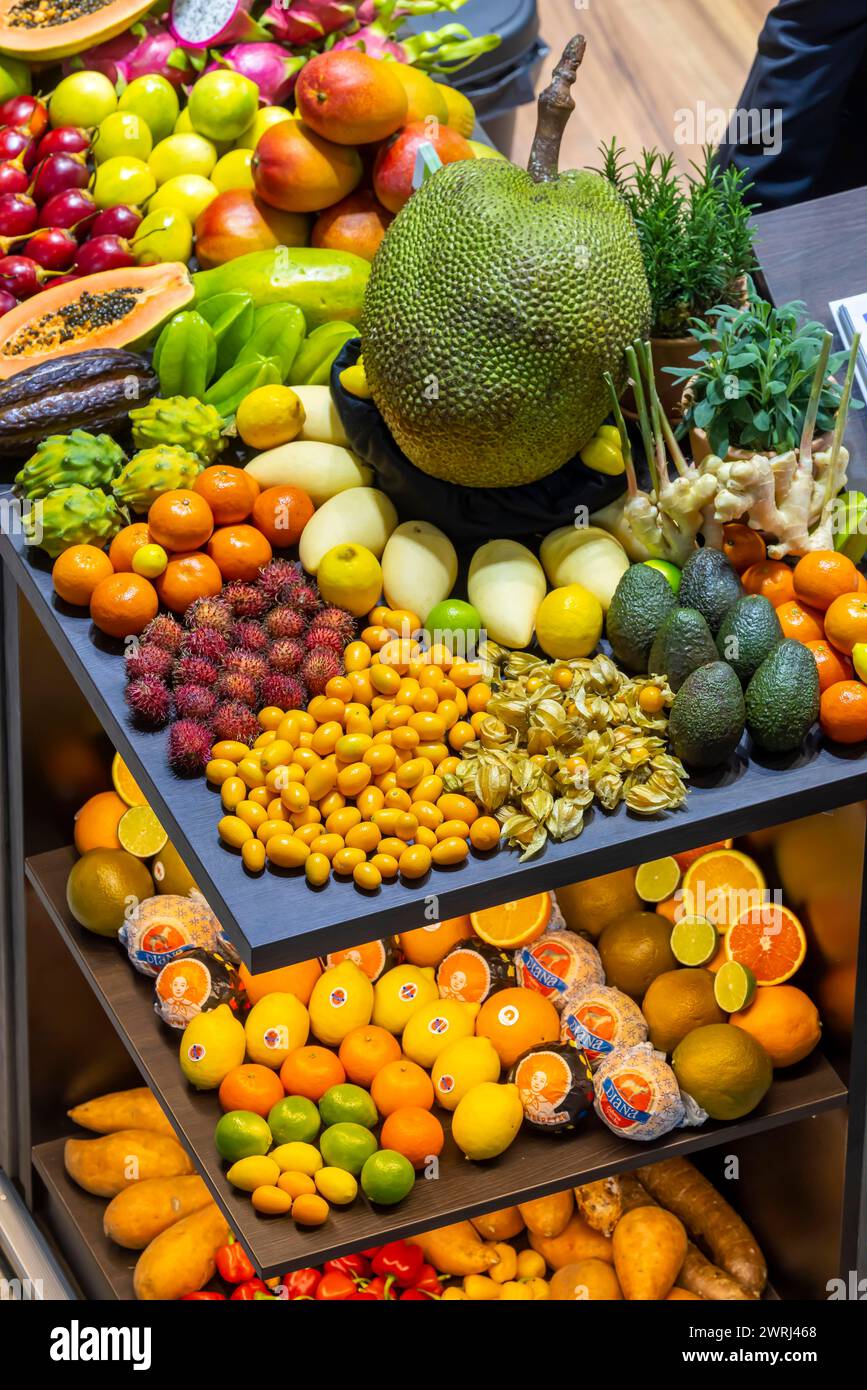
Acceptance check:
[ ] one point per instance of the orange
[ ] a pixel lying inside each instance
(401, 1083)
(122, 605)
(310, 1071)
(837, 998)
(515, 1019)
(784, 1020)
(671, 908)
(188, 576)
(428, 945)
(843, 712)
(833, 665)
(689, 856)
(372, 958)
(721, 885)
(415, 1133)
(823, 575)
(846, 622)
(281, 513)
(513, 924)
(97, 821)
(366, 1050)
(126, 543)
(229, 492)
(772, 579)
(239, 551)
(250, 1087)
(769, 940)
(77, 572)
(800, 622)
(286, 979)
(180, 520)
(833, 917)
(862, 583)
(742, 546)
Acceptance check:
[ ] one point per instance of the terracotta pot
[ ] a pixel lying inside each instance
(667, 352)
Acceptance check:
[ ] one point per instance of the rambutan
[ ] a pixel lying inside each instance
(205, 642)
(250, 636)
(284, 621)
(150, 701)
(149, 660)
(165, 631)
(277, 580)
(194, 670)
(286, 692)
(319, 636)
(189, 747)
(339, 620)
(305, 598)
(210, 612)
(248, 664)
(236, 686)
(287, 655)
(195, 702)
(320, 666)
(246, 600)
(235, 721)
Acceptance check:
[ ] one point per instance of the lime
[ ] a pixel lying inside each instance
(657, 879)
(234, 170)
(387, 1177)
(734, 986)
(668, 570)
(694, 941)
(222, 104)
(241, 1134)
(82, 99)
(188, 193)
(347, 1146)
(348, 1103)
(154, 99)
(122, 179)
(100, 886)
(262, 121)
(336, 1186)
(182, 154)
(294, 1117)
(297, 1158)
(140, 833)
(455, 624)
(123, 132)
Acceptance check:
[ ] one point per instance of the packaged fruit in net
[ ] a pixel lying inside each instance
(555, 1085)
(472, 971)
(158, 929)
(195, 982)
(372, 959)
(558, 962)
(601, 1019)
(637, 1095)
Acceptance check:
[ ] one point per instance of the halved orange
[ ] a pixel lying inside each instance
(125, 784)
(769, 940)
(513, 924)
(722, 886)
(689, 856)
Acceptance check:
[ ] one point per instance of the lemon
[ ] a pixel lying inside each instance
(187, 193)
(150, 561)
(171, 874)
(234, 170)
(213, 1043)
(569, 622)
(269, 416)
(297, 1157)
(399, 992)
(725, 1070)
(342, 999)
(250, 1173)
(487, 1120)
(350, 576)
(275, 1027)
(336, 1186)
(262, 121)
(100, 886)
(462, 1065)
(140, 833)
(434, 1026)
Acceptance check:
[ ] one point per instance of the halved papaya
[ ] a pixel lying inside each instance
(40, 31)
(115, 309)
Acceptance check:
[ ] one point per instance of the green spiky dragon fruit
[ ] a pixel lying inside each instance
(151, 472)
(91, 460)
(182, 421)
(73, 515)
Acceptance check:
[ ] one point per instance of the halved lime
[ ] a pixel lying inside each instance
(694, 941)
(140, 833)
(734, 986)
(657, 879)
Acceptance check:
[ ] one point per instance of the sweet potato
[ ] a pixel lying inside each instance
(135, 1109)
(140, 1213)
(649, 1247)
(600, 1203)
(106, 1166)
(578, 1242)
(456, 1249)
(548, 1216)
(678, 1295)
(499, 1225)
(181, 1259)
(697, 1275)
(592, 1281)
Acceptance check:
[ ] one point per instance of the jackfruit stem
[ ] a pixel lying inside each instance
(555, 108)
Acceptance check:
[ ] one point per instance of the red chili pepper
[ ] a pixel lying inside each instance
(335, 1287)
(203, 1297)
(371, 1251)
(246, 1292)
(364, 1296)
(301, 1283)
(428, 1281)
(380, 1288)
(400, 1262)
(356, 1266)
(233, 1264)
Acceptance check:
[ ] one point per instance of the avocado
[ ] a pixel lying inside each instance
(642, 600)
(710, 583)
(707, 717)
(782, 699)
(682, 644)
(748, 633)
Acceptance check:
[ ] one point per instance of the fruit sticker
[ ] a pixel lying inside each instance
(555, 1087)
(637, 1095)
(446, 1084)
(197, 1052)
(558, 962)
(438, 1026)
(472, 971)
(338, 997)
(407, 992)
(599, 1019)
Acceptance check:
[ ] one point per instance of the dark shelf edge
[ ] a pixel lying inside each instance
(103, 1270)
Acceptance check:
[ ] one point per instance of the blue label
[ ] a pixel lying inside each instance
(616, 1101)
(540, 974)
(585, 1039)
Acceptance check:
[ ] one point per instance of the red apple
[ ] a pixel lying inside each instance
(395, 163)
(350, 98)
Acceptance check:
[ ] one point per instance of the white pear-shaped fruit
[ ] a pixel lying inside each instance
(584, 555)
(506, 584)
(419, 567)
(362, 515)
(319, 469)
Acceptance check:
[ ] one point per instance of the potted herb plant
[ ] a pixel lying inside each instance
(697, 243)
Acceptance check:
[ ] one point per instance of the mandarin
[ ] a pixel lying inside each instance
(846, 622)
(413, 1132)
(772, 579)
(311, 1071)
(281, 513)
(229, 492)
(250, 1087)
(401, 1083)
(122, 605)
(800, 622)
(239, 551)
(180, 520)
(186, 577)
(833, 666)
(77, 571)
(126, 543)
(823, 575)
(365, 1051)
(843, 712)
(97, 821)
(742, 546)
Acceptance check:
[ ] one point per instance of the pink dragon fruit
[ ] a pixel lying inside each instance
(162, 54)
(212, 23)
(269, 65)
(307, 21)
(147, 47)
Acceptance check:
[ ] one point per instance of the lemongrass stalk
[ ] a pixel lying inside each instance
(625, 445)
(643, 417)
(655, 413)
(831, 485)
(805, 452)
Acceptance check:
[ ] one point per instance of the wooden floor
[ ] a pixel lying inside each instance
(647, 61)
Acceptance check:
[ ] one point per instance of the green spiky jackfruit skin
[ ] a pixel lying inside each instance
(152, 472)
(73, 515)
(494, 306)
(182, 421)
(91, 460)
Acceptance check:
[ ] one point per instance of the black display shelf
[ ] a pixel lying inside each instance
(534, 1165)
(276, 918)
(102, 1269)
